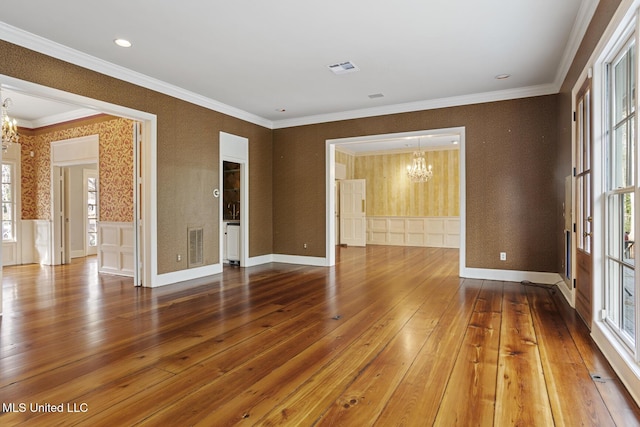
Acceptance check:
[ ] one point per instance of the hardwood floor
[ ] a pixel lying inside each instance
(389, 336)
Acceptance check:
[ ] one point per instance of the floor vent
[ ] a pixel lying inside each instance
(195, 246)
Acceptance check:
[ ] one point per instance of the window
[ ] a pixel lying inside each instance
(620, 189)
(92, 211)
(8, 202)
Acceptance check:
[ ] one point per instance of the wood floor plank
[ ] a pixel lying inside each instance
(416, 400)
(565, 372)
(471, 391)
(298, 360)
(309, 400)
(387, 336)
(521, 396)
(364, 399)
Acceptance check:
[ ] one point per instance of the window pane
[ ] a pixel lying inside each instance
(628, 302)
(613, 292)
(7, 230)
(632, 79)
(620, 91)
(6, 193)
(91, 184)
(628, 222)
(616, 233)
(620, 157)
(91, 211)
(93, 225)
(586, 131)
(6, 173)
(7, 211)
(93, 239)
(91, 198)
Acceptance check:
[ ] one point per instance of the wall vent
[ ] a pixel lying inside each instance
(195, 246)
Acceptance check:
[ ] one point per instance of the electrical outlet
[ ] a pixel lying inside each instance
(503, 256)
(304, 245)
(178, 258)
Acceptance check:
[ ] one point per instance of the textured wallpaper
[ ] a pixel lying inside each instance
(115, 167)
(391, 193)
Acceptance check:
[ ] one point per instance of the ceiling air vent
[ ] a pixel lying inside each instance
(344, 67)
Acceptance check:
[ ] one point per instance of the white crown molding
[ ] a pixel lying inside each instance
(449, 147)
(478, 98)
(58, 118)
(40, 44)
(583, 19)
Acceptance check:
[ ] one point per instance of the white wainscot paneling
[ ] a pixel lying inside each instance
(115, 251)
(42, 242)
(439, 232)
(9, 253)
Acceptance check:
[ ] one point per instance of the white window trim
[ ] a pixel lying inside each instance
(621, 25)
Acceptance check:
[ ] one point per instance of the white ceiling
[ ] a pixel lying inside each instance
(252, 59)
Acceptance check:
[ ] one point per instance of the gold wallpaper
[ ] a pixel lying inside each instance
(348, 160)
(115, 167)
(390, 192)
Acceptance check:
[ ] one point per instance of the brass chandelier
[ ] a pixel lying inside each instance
(9, 126)
(419, 171)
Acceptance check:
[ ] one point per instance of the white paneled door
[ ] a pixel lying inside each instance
(353, 222)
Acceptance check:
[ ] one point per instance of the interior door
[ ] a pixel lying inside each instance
(66, 229)
(584, 205)
(137, 204)
(353, 222)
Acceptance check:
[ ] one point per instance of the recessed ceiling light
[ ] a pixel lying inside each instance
(281, 110)
(502, 76)
(454, 142)
(122, 42)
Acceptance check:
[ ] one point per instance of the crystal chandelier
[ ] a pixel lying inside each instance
(9, 126)
(418, 171)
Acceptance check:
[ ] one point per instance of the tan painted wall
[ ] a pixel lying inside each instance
(510, 152)
(187, 153)
(515, 166)
(390, 192)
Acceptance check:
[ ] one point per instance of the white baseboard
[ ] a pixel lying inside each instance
(78, 253)
(511, 275)
(185, 275)
(301, 260)
(567, 292)
(259, 260)
(210, 270)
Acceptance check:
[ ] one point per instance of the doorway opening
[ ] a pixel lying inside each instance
(144, 246)
(380, 141)
(231, 186)
(234, 201)
(76, 198)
